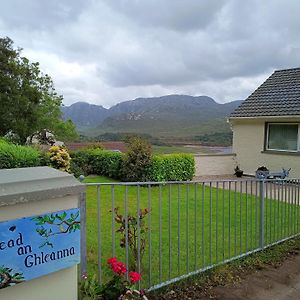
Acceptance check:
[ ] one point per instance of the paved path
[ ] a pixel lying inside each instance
(282, 283)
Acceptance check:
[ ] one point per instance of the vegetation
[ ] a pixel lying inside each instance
(59, 158)
(138, 164)
(182, 203)
(202, 285)
(97, 161)
(15, 156)
(215, 139)
(137, 160)
(28, 99)
(172, 167)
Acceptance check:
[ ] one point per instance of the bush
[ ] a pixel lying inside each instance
(76, 170)
(15, 156)
(172, 167)
(59, 158)
(100, 162)
(137, 160)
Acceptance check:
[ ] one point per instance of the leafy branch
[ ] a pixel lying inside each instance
(59, 224)
(8, 278)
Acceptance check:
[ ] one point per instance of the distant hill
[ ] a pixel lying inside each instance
(166, 116)
(85, 114)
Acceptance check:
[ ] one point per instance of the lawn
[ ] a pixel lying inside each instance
(195, 231)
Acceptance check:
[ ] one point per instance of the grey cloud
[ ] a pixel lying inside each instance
(173, 15)
(146, 48)
(40, 14)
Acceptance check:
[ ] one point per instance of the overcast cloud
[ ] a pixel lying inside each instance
(107, 51)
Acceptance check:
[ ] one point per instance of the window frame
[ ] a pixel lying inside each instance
(282, 150)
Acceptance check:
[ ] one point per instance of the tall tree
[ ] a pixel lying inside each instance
(28, 101)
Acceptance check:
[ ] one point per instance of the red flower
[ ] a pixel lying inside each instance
(134, 277)
(117, 266)
(112, 260)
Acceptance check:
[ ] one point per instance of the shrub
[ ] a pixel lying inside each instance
(172, 167)
(75, 169)
(15, 156)
(137, 160)
(100, 162)
(59, 158)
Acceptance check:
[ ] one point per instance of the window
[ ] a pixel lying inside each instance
(283, 137)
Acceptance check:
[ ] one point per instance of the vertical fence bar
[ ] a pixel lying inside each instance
(160, 235)
(149, 235)
(138, 215)
(203, 244)
(113, 220)
(262, 201)
(187, 227)
(223, 220)
(298, 194)
(257, 186)
(235, 218)
(271, 200)
(170, 234)
(246, 244)
(288, 209)
(210, 223)
(294, 204)
(99, 234)
(179, 232)
(217, 219)
(251, 213)
(83, 250)
(195, 227)
(241, 212)
(229, 220)
(126, 232)
(278, 209)
(266, 212)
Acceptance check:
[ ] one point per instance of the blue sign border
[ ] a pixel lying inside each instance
(38, 245)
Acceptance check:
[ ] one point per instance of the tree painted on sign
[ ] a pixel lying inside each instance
(8, 277)
(55, 224)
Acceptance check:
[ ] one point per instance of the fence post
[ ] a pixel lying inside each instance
(83, 253)
(262, 212)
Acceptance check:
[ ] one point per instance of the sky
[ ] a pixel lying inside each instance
(108, 51)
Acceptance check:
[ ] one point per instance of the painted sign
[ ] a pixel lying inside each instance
(34, 246)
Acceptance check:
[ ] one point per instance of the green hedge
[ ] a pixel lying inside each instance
(100, 162)
(172, 167)
(15, 156)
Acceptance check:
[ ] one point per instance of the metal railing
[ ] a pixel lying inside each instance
(191, 226)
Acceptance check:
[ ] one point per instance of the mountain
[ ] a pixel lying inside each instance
(85, 114)
(166, 116)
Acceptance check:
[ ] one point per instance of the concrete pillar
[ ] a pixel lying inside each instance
(39, 234)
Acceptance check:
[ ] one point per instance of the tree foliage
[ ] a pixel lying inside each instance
(137, 160)
(28, 100)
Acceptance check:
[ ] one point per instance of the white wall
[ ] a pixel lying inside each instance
(248, 144)
(215, 164)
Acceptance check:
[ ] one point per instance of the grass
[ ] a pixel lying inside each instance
(231, 273)
(188, 242)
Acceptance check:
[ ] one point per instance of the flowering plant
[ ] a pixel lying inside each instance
(59, 158)
(119, 287)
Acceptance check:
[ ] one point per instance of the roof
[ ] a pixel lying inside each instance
(279, 95)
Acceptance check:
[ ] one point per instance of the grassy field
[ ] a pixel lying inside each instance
(195, 232)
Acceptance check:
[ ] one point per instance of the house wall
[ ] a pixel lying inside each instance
(248, 144)
(214, 164)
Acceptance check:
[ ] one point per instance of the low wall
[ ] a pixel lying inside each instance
(215, 164)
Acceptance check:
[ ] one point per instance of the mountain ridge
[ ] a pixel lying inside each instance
(169, 115)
